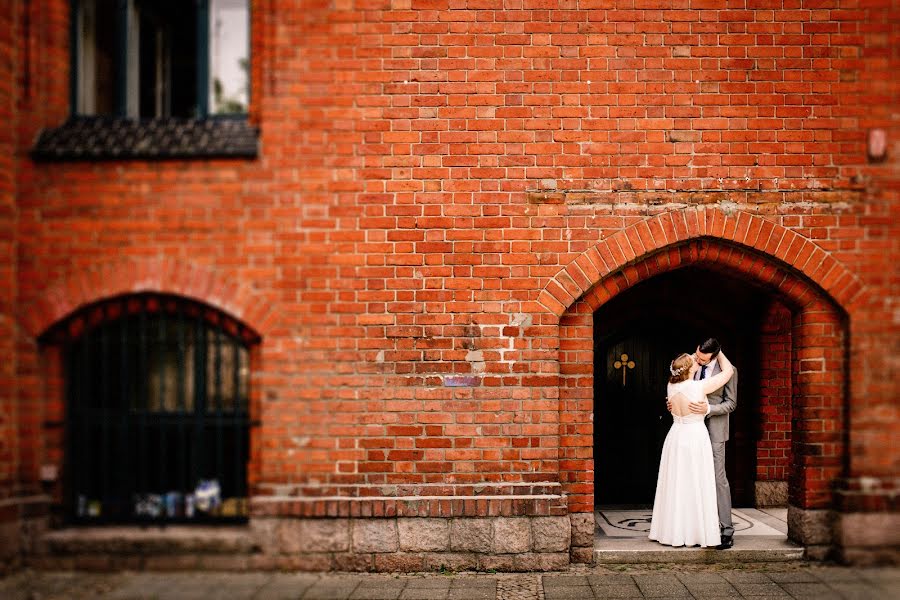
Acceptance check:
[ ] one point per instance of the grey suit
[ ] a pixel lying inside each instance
(721, 403)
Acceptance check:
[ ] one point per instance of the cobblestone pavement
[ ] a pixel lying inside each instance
(707, 582)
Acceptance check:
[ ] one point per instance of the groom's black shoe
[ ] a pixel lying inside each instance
(727, 542)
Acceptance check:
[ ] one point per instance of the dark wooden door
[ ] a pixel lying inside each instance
(653, 323)
(631, 420)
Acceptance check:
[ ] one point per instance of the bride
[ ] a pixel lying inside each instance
(685, 511)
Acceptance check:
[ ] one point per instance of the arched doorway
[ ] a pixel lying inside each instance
(807, 288)
(651, 323)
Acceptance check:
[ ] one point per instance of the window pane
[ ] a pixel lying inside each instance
(228, 56)
(97, 39)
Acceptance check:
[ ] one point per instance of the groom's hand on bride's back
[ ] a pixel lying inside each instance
(700, 408)
(668, 405)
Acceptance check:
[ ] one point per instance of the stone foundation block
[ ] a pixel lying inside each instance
(497, 562)
(375, 535)
(771, 493)
(471, 535)
(810, 527)
(456, 561)
(551, 534)
(398, 561)
(512, 535)
(291, 536)
(349, 561)
(582, 530)
(583, 556)
(880, 530)
(546, 561)
(424, 535)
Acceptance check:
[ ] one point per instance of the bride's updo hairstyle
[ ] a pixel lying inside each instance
(680, 368)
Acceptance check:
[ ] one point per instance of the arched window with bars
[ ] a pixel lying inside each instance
(157, 411)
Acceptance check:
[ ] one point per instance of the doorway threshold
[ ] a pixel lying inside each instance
(620, 537)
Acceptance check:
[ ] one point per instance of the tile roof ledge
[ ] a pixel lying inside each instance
(112, 138)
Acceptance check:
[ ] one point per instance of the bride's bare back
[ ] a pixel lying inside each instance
(680, 404)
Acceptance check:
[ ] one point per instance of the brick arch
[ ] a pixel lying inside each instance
(130, 276)
(616, 260)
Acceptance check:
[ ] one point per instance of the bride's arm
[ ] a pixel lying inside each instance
(713, 383)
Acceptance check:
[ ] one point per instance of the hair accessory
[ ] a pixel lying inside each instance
(677, 371)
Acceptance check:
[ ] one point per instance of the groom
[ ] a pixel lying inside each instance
(721, 403)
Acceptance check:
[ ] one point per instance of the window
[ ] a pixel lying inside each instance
(146, 59)
(157, 392)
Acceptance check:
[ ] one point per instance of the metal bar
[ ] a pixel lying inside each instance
(199, 397)
(104, 414)
(126, 474)
(217, 373)
(183, 483)
(239, 428)
(161, 366)
(73, 380)
(143, 400)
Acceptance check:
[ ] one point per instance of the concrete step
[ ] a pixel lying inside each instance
(746, 549)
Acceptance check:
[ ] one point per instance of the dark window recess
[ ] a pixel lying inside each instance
(156, 79)
(146, 59)
(157, 392)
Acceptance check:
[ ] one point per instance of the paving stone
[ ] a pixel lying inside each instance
(611, 579)
(698, 578)
(430, 583)
(325, 591)
(793, 577)
(829, 574)
(886, 574)
(472, 594)
(703, 583)
(617, 591)
(743, 577)
(375, 592)
(657, 579)
(425, 593)
(568, 592)
(768, 588)
(284, 587)
(663, 590)
(473, 583)
(711, 590)
(862, 591)
(564, 580)
(819, 591)
(519, 587)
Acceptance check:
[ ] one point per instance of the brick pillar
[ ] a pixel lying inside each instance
(773, 451)
(576, 403)
(818, 424)
(9, 509)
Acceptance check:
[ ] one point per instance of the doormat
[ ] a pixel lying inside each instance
(636, 523)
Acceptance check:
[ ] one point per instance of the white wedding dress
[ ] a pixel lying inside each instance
(685, 511)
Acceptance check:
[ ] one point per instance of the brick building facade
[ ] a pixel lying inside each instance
(443, 218)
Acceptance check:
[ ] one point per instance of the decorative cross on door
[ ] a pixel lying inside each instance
(624, 364)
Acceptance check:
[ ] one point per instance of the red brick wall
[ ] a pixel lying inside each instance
(8, 277)
(773, 450)
(427, 172)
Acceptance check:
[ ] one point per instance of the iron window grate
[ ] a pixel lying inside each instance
(157, 426)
